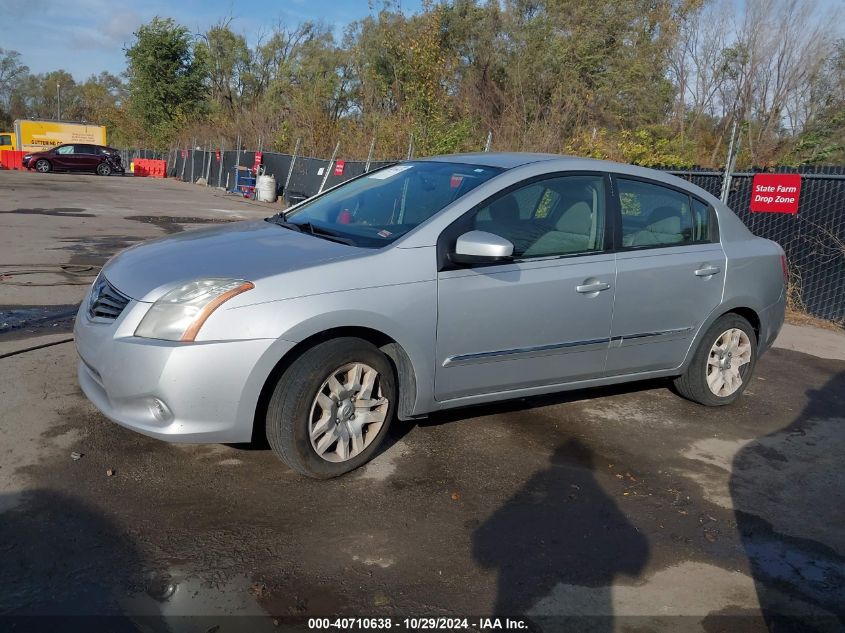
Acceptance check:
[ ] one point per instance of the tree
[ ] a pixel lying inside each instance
(167, 79)
(823, 136)
(11, 72)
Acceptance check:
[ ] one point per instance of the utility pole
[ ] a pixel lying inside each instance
(58, 101)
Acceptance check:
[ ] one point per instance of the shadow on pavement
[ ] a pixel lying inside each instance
(560, 528)
(66, 561)
(784, 488)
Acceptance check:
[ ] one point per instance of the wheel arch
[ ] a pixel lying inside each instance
(749, 315)
(742, 308)
(403, 367)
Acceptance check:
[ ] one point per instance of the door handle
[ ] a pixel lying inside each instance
(596, 286)
(707, 271)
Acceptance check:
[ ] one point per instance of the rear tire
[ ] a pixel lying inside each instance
(42, 165)
(331, 409)
(723, 364)
(104, 169)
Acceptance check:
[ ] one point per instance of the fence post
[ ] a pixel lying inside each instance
(220, 166)
(489, 141)
(329, 168)
(410, 147)
(238, 155)
(208, 169)
(730, 163)
(184, 162)
(193, 145)
(290, 169)
(370, 155)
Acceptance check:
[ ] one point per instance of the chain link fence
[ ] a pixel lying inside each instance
(297, 177)
(813, 239)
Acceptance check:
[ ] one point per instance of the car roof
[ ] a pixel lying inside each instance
(510, 160)
(504, 160)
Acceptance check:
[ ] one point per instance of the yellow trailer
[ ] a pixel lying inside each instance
(32, 135)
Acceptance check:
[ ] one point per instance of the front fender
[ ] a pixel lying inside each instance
(406, 313)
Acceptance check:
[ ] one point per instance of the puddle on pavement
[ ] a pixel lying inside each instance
(173, 223)
(40, 319)
(173, 593)
(95, 251)
(74, 273)
(61, 212)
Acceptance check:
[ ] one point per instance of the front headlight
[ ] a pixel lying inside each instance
(179, 315)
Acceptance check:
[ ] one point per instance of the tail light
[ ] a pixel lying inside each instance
(785, 268)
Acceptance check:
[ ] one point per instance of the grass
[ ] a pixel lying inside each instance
(799, 317)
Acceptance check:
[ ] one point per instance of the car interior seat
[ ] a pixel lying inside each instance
(574, 231)
(663, 227)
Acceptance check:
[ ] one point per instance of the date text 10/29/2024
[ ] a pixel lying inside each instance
(417, 624)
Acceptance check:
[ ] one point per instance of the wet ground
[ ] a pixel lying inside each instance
(624, 509)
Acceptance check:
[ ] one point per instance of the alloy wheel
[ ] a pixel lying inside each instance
(729, 354)
(348, 412)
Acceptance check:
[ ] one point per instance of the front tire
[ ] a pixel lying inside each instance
(722, 365)
(104, 169)
(331, 409)
(42, 165)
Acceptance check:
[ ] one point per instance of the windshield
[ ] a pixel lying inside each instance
(378, 208)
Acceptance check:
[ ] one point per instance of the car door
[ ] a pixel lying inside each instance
(670, 274)
(85, 158)
(63, 157)
(542, 318)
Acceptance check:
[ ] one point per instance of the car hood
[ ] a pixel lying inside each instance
(248, 250)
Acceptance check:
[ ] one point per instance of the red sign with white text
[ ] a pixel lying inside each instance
(338, 167)
(775, 193)
(217, 155)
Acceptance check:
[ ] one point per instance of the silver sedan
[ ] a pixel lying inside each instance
(424, 286)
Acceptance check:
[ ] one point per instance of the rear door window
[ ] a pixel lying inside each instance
(655, 216)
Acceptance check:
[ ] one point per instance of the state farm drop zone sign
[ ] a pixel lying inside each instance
(775, 193)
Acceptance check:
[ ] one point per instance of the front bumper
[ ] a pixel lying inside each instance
(209, 390)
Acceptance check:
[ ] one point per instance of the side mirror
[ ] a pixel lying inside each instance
(480, 247)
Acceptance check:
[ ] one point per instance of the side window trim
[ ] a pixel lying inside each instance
(447, 238)
(616, 211)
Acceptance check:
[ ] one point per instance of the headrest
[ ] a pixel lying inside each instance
(505, 209)
(576, 219)
(661, 213)
(671, 225)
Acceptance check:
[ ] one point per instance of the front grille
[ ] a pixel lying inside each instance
(106, 302)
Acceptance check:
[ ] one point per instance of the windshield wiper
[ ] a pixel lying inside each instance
(308, 227)
(279, 220)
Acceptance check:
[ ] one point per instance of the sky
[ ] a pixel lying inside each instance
(85, 37)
